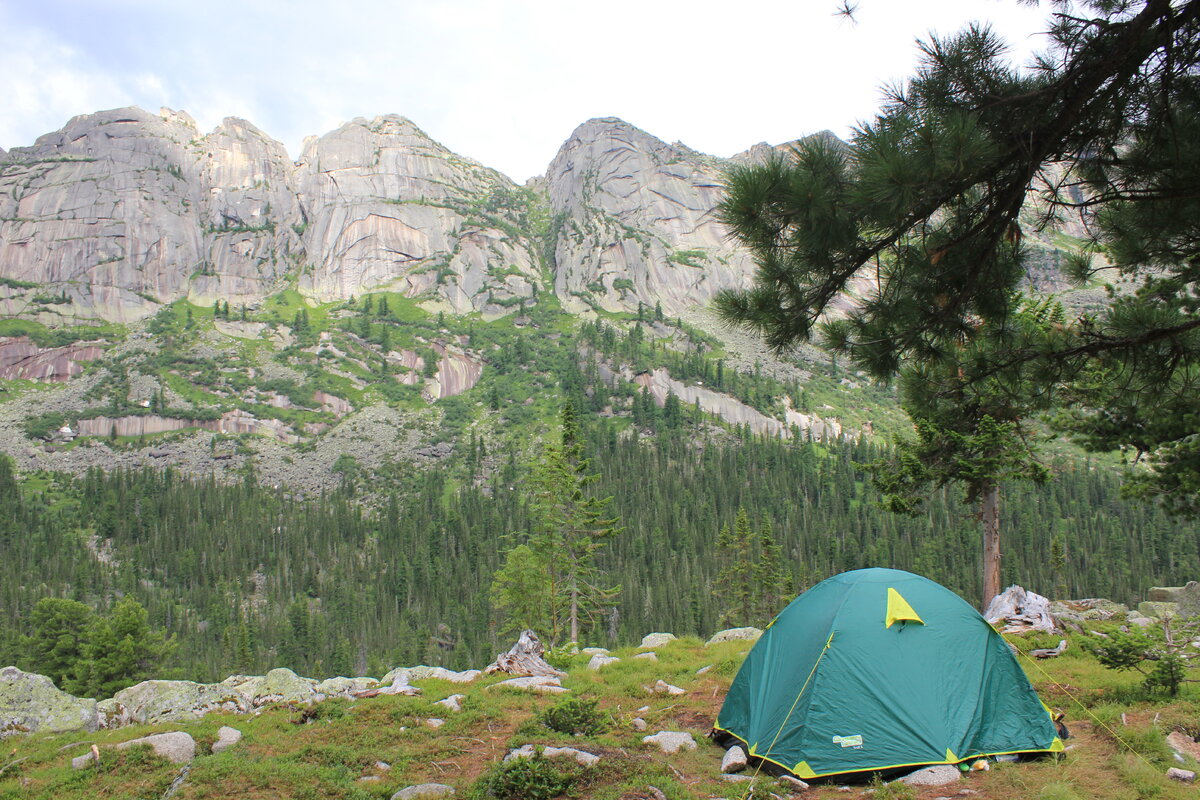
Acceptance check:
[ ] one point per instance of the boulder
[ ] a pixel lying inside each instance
(1181, 775)
(435, 723)
(704, 670)
(452, 703)
(578, 756)
(639, 724)
(734, 760)
(543, 684)
(424, 673)
(155, 702)
(227, 737)
(662, 687)
(599, 661)
(654, 640)
(32, 703)
(594, 651)
(1189, 600)
(1158, 610)
(735, 635)
(1164, 594)
(281, 685)
(1140, 621)
(177, 747)
(939, 775)
(1020, 611)
(423, 791)
(647, 656)
(344, 687)
(671, 741)
(796, 784)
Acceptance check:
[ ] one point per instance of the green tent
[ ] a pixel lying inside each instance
(878, 669)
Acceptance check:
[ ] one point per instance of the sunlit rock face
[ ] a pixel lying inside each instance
(124, 209)
(386, 207)
(638, 222)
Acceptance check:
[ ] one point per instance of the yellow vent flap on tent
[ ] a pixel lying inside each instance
(898, 610)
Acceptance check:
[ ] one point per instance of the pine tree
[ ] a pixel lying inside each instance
(569, 526)
(928, 198)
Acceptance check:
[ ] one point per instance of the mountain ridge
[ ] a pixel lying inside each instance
(121, 211)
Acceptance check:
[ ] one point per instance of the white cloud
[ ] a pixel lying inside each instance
(504, 83)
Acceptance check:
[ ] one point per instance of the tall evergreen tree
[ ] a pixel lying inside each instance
(927, 199)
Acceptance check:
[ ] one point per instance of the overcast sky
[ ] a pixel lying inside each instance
(504, 82)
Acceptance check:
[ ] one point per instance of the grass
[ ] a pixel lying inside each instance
(387, 741)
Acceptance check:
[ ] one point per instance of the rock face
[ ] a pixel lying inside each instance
(638, 222)
(388, 207)
(20, 358)
(31, 703)
(124, 209)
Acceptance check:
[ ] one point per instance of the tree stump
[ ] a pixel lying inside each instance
(525, 658)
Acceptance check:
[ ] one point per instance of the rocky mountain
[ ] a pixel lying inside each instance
(386, 207)
(637, 222)
(123, 211)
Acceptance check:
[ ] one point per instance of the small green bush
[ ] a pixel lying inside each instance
(535, 778)
(561, 657)
(576, 715)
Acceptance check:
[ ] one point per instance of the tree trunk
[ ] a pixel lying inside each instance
(990, 517)
(574, 613)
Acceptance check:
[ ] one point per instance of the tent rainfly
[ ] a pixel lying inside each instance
(879, 669)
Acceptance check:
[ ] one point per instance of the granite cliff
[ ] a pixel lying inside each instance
(122, 211)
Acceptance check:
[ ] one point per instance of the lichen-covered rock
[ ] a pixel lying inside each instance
(344, 687)
(31, 703)
(424, 673)
(1158, 610)
(597, 661)
(939, 775)
(424, 791)
(653, 640)
(177, 747)
(662, 687)
(227, 737)
(735, 635)
(647, 656)
(580, 757)
(671, 741)
(594, 651)
(281, 685)
(153, 702)
(542, 684)
(452, 703)
(734, 760)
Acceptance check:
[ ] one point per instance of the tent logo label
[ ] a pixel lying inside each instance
(849, 741)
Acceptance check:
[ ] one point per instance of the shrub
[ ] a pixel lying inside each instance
(561, 657)
(576, 715)
(535, 778)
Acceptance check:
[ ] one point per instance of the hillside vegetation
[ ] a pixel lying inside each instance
(371, 748)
